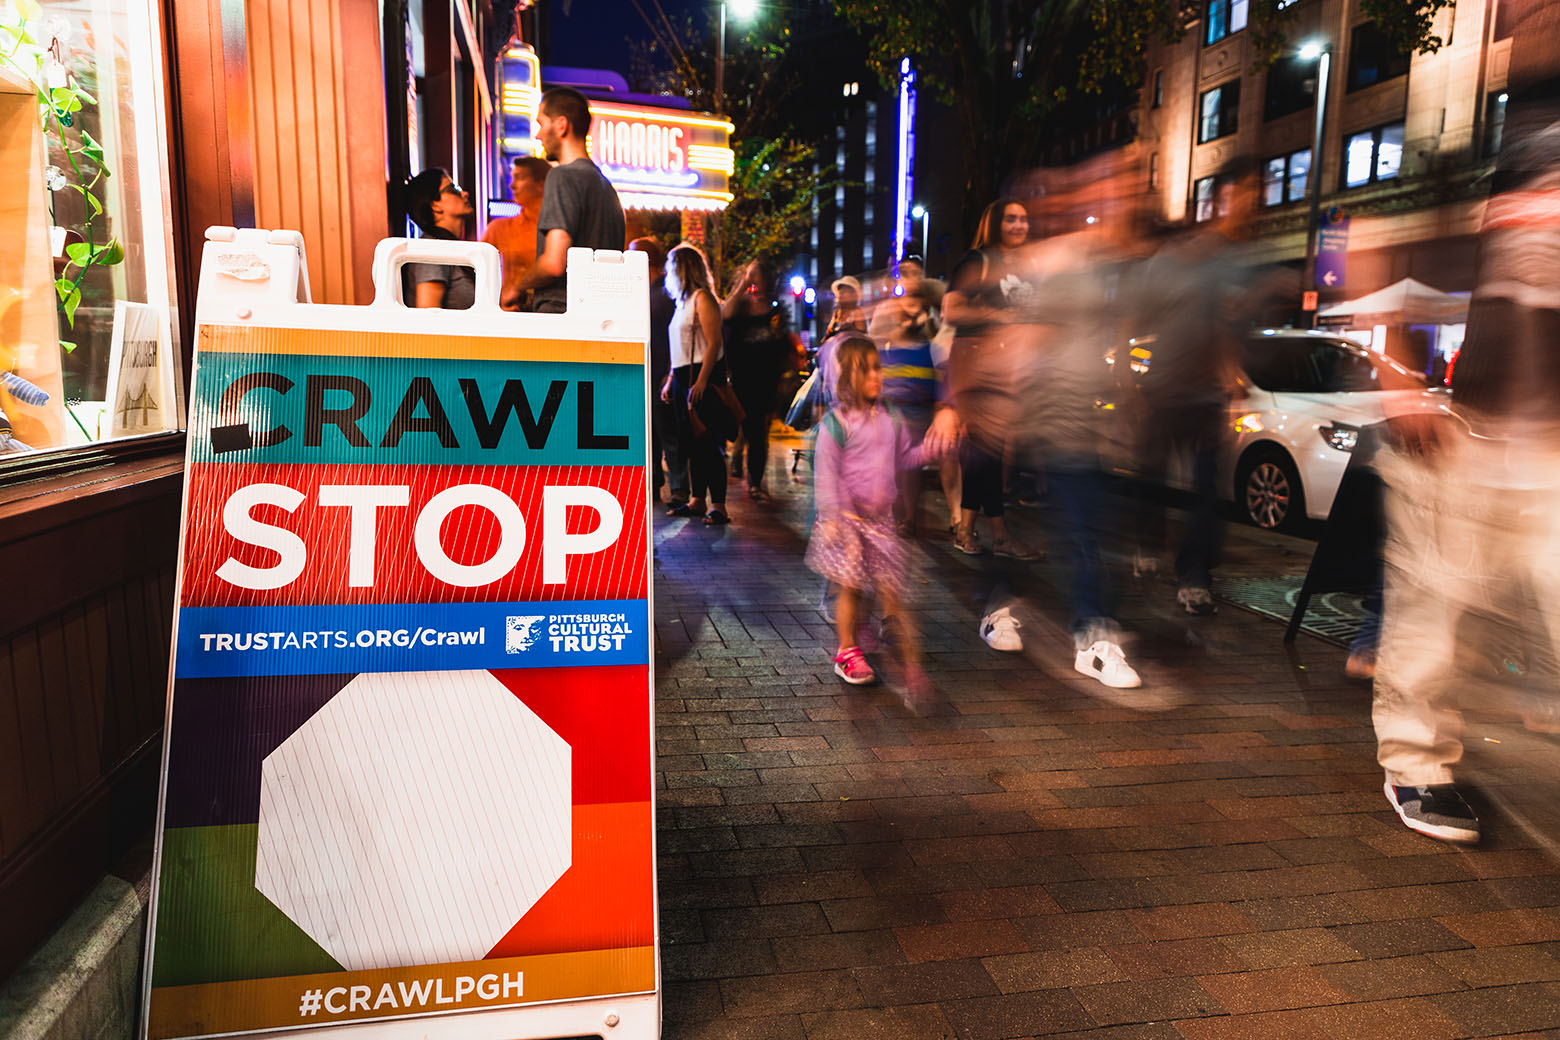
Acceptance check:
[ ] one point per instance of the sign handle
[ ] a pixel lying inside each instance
(392, 253)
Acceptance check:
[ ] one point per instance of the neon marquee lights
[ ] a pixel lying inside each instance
(662, 158)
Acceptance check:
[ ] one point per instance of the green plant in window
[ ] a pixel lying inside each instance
(30, 46)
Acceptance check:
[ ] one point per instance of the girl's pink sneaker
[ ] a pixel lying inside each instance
(851, 665)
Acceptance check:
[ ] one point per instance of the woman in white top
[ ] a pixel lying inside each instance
(698, 368)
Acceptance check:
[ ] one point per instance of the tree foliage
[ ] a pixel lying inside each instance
(775, 183)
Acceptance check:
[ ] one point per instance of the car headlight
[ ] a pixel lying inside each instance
(1341, 436)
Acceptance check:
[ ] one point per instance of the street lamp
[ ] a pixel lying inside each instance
(924, 215)
(745, 11)
(1320, 52)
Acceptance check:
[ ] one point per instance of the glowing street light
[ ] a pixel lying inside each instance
(743, 11)
(1319, 51)
(924, 215)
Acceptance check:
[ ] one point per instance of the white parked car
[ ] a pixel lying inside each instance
(1307, 396)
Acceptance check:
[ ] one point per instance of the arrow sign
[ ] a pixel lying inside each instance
(1332, 249)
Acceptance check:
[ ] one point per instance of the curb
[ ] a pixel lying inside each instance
(84, 983)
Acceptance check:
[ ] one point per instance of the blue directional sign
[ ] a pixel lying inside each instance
(1332, 251)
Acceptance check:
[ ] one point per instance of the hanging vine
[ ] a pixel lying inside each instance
(32, 46)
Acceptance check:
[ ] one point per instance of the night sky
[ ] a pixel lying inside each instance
(595, 33)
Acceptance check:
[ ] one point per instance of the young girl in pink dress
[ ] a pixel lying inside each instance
(860, 448)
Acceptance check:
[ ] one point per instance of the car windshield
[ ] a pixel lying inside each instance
(1320, 366)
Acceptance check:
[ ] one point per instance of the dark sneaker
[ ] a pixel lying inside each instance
(1436, 810)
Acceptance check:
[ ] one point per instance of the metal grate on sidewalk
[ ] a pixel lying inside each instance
(1333, 616)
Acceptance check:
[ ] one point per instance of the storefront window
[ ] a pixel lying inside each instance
(86, 347)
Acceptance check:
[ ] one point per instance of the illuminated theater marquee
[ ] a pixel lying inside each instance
(662, 158)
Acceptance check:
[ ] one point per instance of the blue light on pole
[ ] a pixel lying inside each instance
(905, 181)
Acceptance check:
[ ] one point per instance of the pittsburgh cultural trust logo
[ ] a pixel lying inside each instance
(520, 632)
(567, 633)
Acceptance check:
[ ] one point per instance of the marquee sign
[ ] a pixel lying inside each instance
(660, 158)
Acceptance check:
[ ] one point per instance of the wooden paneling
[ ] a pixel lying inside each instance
(319, 135)
(83, 685)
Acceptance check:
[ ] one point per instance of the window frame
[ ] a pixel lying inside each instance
(1352, 70)
(145, 212)
(1212, 201)
(1375, 133)
(1230, 106)
(1280, 68)
(1227, 10)
(1288, 178)
(1156, 90)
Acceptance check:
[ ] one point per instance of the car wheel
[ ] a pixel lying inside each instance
(1268, 490)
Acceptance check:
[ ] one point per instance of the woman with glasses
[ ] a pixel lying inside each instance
(441, 208)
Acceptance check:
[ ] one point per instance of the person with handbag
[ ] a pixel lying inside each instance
(694, 388)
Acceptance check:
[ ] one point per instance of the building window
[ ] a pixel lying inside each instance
(1284, 178)
(1204, 199)
(1158, 96)
(1373, 58)
(1494, 123)
(1225, 17)
(1218, 110)
(1291, 87)
(1373, 155)
(1153, 170)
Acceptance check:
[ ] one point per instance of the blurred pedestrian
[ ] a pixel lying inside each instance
(1078, 286)
(698, 372)
(848, 315)
(1473, 503)
(441, 209)
(1197, 299)
(988, 366)
(861, 445)
(903, 327)
(664, 445)
(579, 205)
(515, 237)
(756, 352)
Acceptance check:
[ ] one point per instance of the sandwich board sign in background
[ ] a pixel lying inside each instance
(407, 781)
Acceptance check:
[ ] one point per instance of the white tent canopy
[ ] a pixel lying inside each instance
(1408, 302)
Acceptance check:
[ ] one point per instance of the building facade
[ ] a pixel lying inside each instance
(1408, 139)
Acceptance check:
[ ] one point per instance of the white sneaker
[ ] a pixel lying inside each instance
(1105, 661)
(1000, 631)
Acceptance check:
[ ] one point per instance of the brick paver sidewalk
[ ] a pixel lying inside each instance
(1034, 855)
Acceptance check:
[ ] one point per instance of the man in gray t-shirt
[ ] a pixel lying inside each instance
(579, 205)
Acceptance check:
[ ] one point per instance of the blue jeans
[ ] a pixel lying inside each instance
(1079, 492)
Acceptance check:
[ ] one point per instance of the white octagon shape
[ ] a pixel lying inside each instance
(414, 819)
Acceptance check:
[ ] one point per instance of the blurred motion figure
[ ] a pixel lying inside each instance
(1473, 503)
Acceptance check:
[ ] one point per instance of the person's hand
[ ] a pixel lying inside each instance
(666, 390)
(944, 435)
(696, 391)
